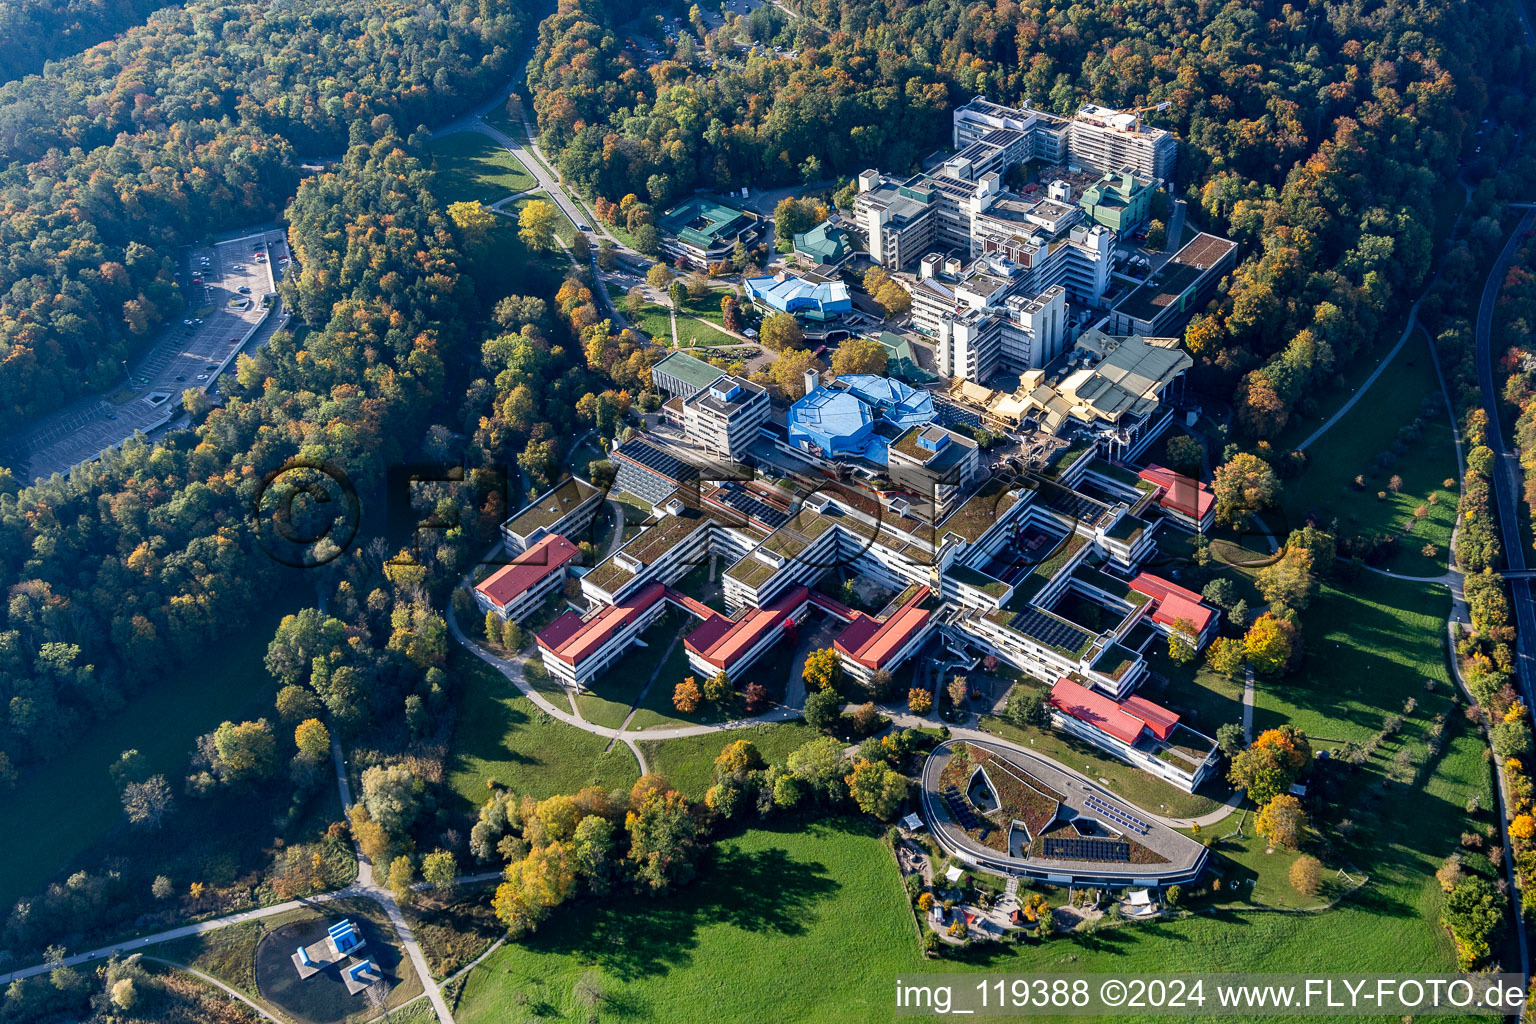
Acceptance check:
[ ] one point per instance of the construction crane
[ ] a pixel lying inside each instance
(1148, 109)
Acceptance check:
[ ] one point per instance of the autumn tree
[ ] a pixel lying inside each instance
(1182, 641)
(1267, 645)
(822, 669)
(859, 355)
(877, 789)
(1282, 822)
(1243, 485)
(1306, 875)
(246, 751)
(781, 332)
(787, 373)
(532, 887)
(313, 739)
(686, 696)
(536, 225)
(663, 839)
(439, 869)
(1289, 579)
(1226, 656)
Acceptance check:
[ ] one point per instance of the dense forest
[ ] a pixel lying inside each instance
(34, 31)
(1318, 135)
(187, 124)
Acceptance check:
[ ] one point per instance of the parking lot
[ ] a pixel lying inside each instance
(225, 285)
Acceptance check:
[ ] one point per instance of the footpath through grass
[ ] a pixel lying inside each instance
(473, 166)
(1361, 445)
(503, 736)
(689, 763)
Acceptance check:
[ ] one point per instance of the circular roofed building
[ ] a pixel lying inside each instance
(830, 424)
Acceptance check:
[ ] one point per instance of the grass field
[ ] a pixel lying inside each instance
(791, 924)
(1326, 489)
(1369, 649)
(822, 906)
(652, 319)
(503, 736)
(615, 691)
(472, 166)
(66, 814)
(656, 710)
(689, 763)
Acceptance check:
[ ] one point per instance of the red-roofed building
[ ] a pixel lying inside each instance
(576, 649)
(516, 589)
(869, 645)
(731, 646)
(1135, 730)
(1187, 501)
(1171, 602)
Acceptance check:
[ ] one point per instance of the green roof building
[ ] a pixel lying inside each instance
(683, 375)
(824, 244)
(1121, 200)
(704, 231)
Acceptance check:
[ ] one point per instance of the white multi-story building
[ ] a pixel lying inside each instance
(1098, 139)
(1018, 334)
(725, 417)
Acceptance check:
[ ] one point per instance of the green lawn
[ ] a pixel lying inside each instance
(615, 691)
(787, 924)
(822, 906)
(653, 320)
(656, 710)
(689, 763)
(1326, 489)
(472, 166)
(707, 307)
(1369, 649)
(502, 736)
(67, 814)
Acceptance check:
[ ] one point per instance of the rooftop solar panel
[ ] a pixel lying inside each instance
(656, 459)
(1050, 630)
(1086, 849)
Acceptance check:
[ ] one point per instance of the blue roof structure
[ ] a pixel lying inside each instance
(896, 402)
(830, 423)
(857, 417)
(796, 295)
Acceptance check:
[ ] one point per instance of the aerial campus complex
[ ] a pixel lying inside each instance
(863, 474)
(1047, 564)
(765, 511)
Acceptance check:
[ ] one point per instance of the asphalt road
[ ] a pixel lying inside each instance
(1506, 473)
(190, 352)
